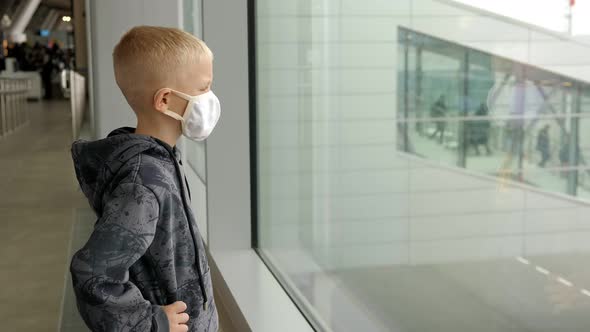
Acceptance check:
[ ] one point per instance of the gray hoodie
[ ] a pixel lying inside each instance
(145, 250)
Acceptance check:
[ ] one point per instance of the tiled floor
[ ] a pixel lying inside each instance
(70, 319)
(38, 203)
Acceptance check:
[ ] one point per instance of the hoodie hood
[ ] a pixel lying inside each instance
(97, 162)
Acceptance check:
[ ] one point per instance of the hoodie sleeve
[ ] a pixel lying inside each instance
(106, 298)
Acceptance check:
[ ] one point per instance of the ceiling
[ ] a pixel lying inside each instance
(58, 4)
(63, 7)
(7, 7)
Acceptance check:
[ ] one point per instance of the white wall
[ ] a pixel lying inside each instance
(228, 150)
(109, 20)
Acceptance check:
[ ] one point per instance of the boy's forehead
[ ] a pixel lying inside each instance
(201, 70)
(194, 74)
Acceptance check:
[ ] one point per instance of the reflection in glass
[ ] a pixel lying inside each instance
(416, 173)
(512, 121)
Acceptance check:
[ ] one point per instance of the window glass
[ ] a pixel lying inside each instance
(422, 166)
(195, 151)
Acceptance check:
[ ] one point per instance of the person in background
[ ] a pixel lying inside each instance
(37, 56)
(543, 145)
(19, 55)
(46, 73)
(57, 56)
(439, 111)
(478, 131)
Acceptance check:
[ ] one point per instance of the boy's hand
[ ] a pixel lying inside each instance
(176, 316)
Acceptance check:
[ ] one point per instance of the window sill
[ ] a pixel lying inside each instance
(263, 303)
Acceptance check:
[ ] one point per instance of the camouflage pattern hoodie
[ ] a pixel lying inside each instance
(145, 250)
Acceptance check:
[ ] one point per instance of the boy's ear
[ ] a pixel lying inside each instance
(162, 100)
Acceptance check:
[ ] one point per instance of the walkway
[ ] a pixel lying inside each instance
(38, 206)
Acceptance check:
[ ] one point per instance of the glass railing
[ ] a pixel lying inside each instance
(485, 113)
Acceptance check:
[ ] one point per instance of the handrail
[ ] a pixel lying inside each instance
(8, 78)
(14, 113)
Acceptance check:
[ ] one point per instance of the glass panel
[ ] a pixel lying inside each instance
(581, 156)
(422, 166)
(196, 154)
(188, 19)
(195, 151)
(192, 19)
(434, 73)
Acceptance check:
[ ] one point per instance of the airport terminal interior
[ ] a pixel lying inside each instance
(379, 165)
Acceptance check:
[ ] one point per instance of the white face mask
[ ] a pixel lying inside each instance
(200, 115)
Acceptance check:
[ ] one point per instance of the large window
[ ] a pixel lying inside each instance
(195, 153)
(193, 23)
(422, 166)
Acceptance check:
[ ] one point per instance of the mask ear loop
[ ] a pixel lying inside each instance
(190, 101)
(182, 95)
(169, 112)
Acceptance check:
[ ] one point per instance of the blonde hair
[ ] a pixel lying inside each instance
(147, 58)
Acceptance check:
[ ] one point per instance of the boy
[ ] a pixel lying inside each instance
(144, 268)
